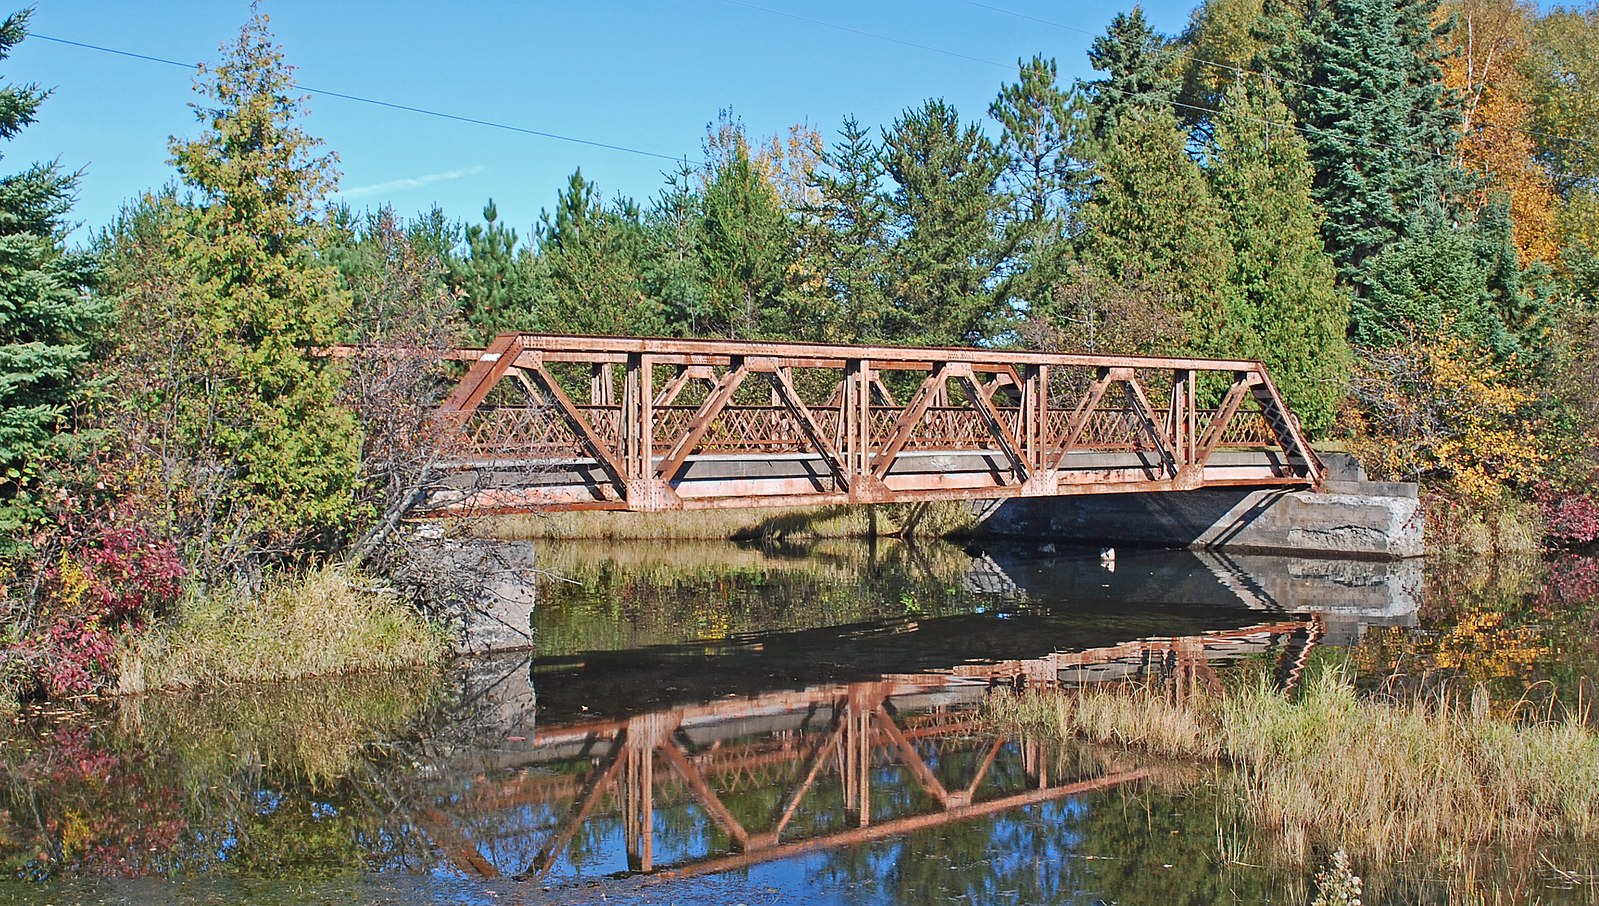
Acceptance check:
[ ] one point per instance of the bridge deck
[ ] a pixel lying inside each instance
(701, 424)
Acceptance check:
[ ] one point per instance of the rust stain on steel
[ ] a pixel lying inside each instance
(829, 409)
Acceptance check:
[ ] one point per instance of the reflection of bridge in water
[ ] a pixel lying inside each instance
(705, 788)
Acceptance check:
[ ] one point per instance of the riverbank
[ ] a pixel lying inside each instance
(809, 523)
(1431, 779)
(326, 621)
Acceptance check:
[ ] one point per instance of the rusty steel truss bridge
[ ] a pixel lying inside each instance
(551, 422)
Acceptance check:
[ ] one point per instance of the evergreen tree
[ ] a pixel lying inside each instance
(47, 321)
(1153, 227)
(745, 251)
(226, 308)
(1140, 68)
(1460, 277)
(591, 260)
(1379, 127)
(944, 212)
(845, 238)
(493, 278)
(1280, 305)
(674, 228)
(1041, 131)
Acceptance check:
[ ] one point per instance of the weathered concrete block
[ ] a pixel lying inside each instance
(486, 588)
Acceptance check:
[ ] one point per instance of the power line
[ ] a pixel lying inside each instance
(391, 105)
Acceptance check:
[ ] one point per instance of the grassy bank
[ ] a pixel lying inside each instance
(1333, 770)
(322, 622)
(773, 524)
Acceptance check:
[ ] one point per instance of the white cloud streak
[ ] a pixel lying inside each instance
(403, 185)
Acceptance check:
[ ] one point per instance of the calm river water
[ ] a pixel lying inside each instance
(744, 724)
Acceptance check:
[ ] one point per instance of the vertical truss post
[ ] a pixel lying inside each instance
(638, 808)
(645, 492)
(856, 423)
(602, 386)
(1179, 422)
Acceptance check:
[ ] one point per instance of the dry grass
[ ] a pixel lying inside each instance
(776, 523)
(318, 623)
(1334, 770)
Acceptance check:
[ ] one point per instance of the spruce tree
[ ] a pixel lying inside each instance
(1153, 229)
(944, 211)
(1140, 66)
(1281, 305)
(1378, 125)
(48, 323)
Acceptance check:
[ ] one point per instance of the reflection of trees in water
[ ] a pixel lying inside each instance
(288, 778)
(1522, 628)
(650, 593)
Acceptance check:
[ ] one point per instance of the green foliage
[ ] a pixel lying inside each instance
(493, 278)
(1378, 124)
(1460, 277)
(1043, 131)
(48, 323)
(1280, 304)
(746, 247)
(943, 212)
(1219, 45)
(225, 306)
(591, 260)
(1140, 67)
(844, 239)
(1564, 70)
(1153, 224)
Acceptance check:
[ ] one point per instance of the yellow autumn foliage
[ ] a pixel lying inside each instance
(1437, 406)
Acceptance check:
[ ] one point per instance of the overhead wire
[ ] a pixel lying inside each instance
(377, 102)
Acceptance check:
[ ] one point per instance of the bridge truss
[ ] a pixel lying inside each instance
(574, 422)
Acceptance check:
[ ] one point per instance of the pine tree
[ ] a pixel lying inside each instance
(1154, 230)
(745, 251)
(674, 227)
(493, 278)
(944, 211)
(1042, 128)
(226, 308)
(1280, 305)
(48, 323)
(591, 260)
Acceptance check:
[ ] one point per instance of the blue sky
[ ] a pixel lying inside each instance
(648, 76)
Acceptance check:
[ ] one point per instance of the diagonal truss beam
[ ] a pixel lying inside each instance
(701, 422)
(783, 386)
(997, 428)
(602, 452)
(909, 418)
